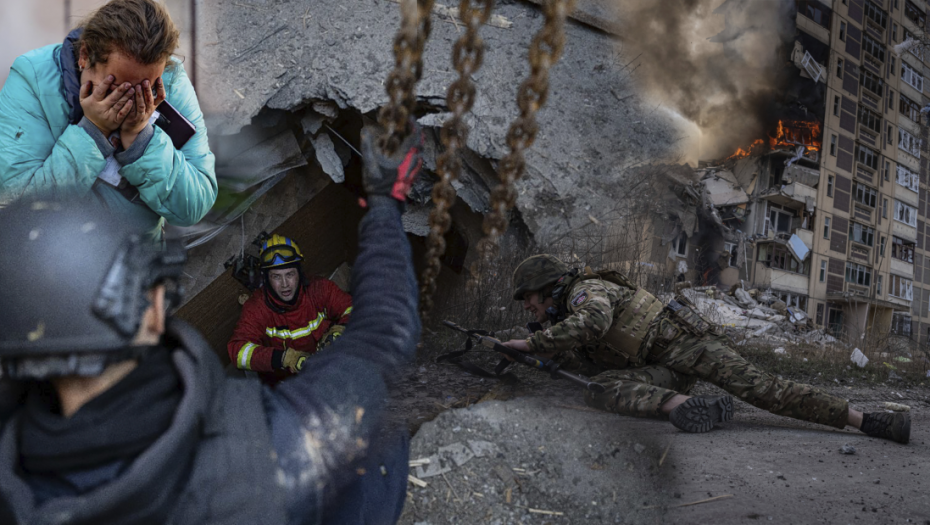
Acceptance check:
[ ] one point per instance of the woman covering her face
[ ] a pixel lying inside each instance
(77, 121)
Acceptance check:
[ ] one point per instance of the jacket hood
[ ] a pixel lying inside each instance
(143, 491)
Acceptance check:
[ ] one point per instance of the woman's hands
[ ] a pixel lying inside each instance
(127, 108)
(143, 107)
(106, 110)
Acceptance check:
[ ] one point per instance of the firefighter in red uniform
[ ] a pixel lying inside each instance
(289, 318)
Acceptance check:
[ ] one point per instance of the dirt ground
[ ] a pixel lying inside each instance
(532, 452)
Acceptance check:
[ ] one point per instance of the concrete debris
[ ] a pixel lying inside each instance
(859, 358)
(768, 325)
(847, 449)
(311, 122)
(896, 407)
(328, 158)
(453, 455)
(334, 64)
(780, 350)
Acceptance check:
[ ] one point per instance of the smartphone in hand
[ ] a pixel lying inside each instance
(174, 124)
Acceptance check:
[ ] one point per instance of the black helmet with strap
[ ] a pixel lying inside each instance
(74, 283)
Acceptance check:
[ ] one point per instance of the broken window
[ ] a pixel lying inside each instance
(871, 81)
(908, 178)
(826, 227)
(867, 156)
(891, 69)
(731, 249)
(891, 99)
(779, 221)
(894, 32)
(836, 105)
(904, 213)
(829, 185)
(861, 234)
(858, 274)
(888, 141)
(912, 77)
(680, 245)
(884, 209)
(864, 194)
(917, 51)
(902, 250)
(909, 108)
(878, 285)
(887, 171)
(832, 151)
(901, 323)
(823, 271)
(843, 31)
(881, 250)
(900, 287)
(778, 257)
(839, 68)
(914, 14)
(873, 47)
(870, 119)
(876, 14)
(792, 300)
(816, 11)
(908, 143)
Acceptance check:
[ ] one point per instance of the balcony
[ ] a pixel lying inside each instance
(902, 268)
(904, 231)
(782, 280)
(794, 195)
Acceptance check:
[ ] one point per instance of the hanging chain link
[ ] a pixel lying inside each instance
(467, 57)
(408, 68)
(545, 50)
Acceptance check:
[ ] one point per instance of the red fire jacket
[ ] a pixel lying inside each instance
(262, 333)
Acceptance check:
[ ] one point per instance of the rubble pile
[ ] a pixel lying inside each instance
(757, 315)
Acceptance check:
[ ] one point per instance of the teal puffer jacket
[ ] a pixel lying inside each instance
(42, 154)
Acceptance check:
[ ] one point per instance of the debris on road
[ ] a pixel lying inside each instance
(847, 449)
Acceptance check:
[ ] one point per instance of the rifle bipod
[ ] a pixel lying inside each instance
(482, 337)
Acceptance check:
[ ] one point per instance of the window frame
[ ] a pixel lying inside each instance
(864, 194)
(858, 274)
(905, 213)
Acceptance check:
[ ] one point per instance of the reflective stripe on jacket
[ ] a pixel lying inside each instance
(261, 331)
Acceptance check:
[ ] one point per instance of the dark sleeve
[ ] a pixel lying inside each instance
(336, 406)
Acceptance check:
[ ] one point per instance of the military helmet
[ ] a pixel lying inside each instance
(535, 273)
(74, 283)
(280, 252)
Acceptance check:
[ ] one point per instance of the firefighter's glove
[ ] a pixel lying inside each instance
(391, 175)
(330, 336)
(293, 360)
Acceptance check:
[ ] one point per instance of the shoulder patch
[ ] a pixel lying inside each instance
(580, 298)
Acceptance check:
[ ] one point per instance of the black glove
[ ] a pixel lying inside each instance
(391, 176)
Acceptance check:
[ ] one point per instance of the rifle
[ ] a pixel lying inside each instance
(548, 366)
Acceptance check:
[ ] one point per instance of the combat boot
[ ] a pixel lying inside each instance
(896, 426)
(701, 413)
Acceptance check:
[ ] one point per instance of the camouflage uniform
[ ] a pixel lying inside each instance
(677, 349)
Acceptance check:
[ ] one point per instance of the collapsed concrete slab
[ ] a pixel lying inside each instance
(291, 55)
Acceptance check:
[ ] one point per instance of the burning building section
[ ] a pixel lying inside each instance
(827, 212)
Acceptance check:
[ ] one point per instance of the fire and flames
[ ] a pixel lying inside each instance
(790, 134)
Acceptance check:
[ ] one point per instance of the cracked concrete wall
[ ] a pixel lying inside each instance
(285, 54)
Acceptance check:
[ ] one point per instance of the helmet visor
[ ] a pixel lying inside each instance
(279, 256)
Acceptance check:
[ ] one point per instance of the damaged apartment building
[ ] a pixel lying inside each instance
(829, 211)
